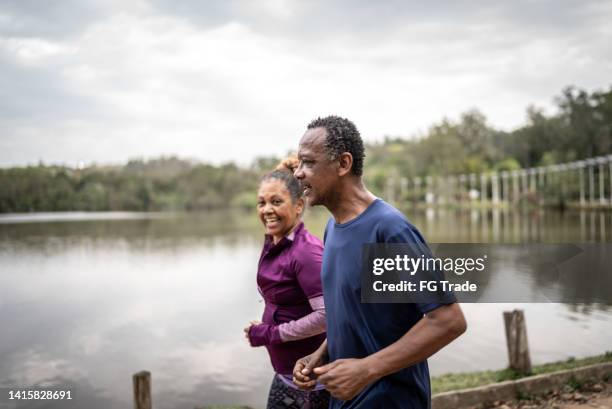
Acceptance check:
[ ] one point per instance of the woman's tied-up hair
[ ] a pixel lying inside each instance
(284, 172)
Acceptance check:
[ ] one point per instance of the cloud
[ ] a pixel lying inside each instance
(228, 80)
(48, 19)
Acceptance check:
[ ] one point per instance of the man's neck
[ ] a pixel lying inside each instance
(349, 201)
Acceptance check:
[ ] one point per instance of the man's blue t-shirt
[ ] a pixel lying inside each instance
(356, 330)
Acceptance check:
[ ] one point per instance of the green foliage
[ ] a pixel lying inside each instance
(507, 164)
(574, 384)
(582, 128)
(508, 374)
(458, 381)
(522, 395)
(245, 200)
(137, 186)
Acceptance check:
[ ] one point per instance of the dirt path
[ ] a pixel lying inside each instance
(587, 396)
(599, 403)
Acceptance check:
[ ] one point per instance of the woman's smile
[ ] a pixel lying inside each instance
(272, 222)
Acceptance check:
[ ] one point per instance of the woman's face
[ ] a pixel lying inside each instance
(276, 210)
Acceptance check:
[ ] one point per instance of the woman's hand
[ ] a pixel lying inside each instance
(247, 329)
(260, 334)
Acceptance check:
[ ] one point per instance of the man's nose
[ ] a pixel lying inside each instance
(298, 173)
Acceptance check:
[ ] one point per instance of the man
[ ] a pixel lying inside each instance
(375, 354)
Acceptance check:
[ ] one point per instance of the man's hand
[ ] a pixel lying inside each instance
(303, 375)
(344, 378)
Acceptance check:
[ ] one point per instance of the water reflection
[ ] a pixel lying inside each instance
(174, 230)
(438, 225)
(512, 226)
(85, 304)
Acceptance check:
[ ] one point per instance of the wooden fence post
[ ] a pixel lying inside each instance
(516, 339)
(142, 390)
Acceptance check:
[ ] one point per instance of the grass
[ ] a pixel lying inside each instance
(451, 382)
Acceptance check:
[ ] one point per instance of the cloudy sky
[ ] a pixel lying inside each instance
(218, 80)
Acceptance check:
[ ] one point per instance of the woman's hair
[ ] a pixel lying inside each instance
(284, 172)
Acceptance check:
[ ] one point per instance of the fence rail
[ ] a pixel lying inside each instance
(584, 183)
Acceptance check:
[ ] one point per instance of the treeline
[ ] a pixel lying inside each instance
(581, 128)
(160, 184)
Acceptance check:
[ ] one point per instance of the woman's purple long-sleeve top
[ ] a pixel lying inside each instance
(289, 279)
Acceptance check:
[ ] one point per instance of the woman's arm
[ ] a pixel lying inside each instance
(307, 326)
(307, 267)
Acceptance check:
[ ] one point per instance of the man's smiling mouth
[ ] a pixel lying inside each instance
(306, 189)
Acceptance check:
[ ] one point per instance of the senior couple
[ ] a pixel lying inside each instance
(326, 347)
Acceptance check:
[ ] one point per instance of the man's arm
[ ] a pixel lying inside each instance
(432, 333)
(345, 378)
(302, 375)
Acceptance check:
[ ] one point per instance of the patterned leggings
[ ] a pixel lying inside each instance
(283, 396)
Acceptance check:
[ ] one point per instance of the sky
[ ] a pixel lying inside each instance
(85, 81)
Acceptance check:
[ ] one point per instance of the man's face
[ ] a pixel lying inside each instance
(316, 172)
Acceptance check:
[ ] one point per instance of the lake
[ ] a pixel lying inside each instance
(89, 299)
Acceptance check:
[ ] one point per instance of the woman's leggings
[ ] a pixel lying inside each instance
(282, 396)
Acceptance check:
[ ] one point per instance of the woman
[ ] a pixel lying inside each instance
(289, 280)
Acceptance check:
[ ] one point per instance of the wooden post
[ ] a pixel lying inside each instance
(428, 193)
(602, 196)
(610, 162)
(463, 179)
(525, 184)
(591, 182)
(439, 189)
(403, 190)
(532, 180)
(142, 390)
(495, 187)
(540, 183)
(483, 188)
(581, 182)
(452, 182)
(390, 191)
(515, 186)
(417, 189)
(516, 339)
(504, 186)
(471, 182)
(563, 178)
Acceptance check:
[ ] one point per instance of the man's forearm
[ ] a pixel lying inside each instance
(426, 337)
(323, 347)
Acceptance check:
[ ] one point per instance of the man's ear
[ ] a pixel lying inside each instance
(345, 160)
